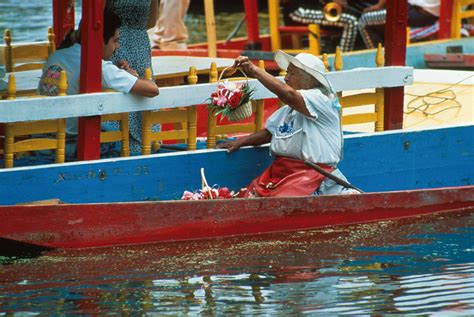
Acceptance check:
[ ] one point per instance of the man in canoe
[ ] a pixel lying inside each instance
(307, 128)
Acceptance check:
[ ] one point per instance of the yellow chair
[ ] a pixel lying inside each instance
(25, 56)
(214, 129)
(19, 137)
(312, 31)
(375, 98)
(184, 119)
(463, 9)
(121, 135)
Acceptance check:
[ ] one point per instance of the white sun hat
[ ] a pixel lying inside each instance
(311, 64)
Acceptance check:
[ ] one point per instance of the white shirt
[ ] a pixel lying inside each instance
(432, 6)
(317, 138)
(69, 59)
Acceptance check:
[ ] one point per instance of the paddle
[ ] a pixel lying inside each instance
(331, 176)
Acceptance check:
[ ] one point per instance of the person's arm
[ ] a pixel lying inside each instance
(153, 14)
(342, 3)
(378, 6)
(285, 93)
(145, 87)
(123, 64)
(257, 138)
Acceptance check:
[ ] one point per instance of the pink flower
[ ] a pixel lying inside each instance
(187, 195)
(221, 101)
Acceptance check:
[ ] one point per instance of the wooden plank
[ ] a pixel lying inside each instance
(359, 118)
(358, 100)
(35, 145)
(227, 129)
(172, 97)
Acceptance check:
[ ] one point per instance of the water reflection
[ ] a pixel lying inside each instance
(29, 21)
(422, 266)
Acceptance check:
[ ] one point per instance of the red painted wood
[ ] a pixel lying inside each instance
(88, 147)
(63, 19)
(395, 54)
(251, 18)
(445, 17)
(93, 225)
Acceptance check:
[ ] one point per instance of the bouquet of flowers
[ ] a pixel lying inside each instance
(231, 100)
(208, 192)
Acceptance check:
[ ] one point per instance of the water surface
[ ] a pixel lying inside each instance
(414, 266)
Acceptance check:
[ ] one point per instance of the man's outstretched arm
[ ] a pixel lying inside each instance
(258, 138)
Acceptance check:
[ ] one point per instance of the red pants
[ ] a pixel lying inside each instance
(286, 177)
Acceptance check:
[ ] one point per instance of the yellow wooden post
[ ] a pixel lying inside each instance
(211, 118)
(51, 45)
(7, 38)
(326, 61)
(274, 23)
(379, 92)
(456, 20)
(210, 28)
(379, 58)
(192, 112)
(213, 74)
(9, 134)
(260, 105)
(338, 60)
(11, 87)
(146, 123)
(314, 36)
(61, 123)
(408, 36)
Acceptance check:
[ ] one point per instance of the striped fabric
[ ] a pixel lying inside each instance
(424, 32)
(347, 22)
(370, 19)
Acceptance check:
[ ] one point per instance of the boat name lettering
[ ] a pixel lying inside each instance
(92, 174)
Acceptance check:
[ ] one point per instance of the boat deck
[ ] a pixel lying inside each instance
(424, 111)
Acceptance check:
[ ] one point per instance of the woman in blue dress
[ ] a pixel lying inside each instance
(136, 16)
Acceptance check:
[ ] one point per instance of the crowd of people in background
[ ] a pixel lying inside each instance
(358, 18)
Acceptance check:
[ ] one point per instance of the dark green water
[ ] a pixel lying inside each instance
(29, 20)
(422, 266)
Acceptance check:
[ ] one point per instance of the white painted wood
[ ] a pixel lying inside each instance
(443, 76)
(163, 67)
(179, 96)
(171, 65)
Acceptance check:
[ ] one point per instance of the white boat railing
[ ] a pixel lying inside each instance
(180, 96)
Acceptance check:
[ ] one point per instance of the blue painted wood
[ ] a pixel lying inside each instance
(374, 162)
(414, 57)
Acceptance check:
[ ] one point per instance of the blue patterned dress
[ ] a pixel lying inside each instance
(135, 49)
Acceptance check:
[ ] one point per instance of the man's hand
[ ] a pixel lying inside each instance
(245, 64)
(231, 146)
(123, 64)
(342, 3)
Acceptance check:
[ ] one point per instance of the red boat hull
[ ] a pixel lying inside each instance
(94, 225)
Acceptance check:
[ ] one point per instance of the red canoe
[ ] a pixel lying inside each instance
(94, 225)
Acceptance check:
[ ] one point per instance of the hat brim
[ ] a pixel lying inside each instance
(284, 60)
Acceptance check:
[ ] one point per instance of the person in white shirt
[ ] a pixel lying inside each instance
(120, 78)
(308, 128)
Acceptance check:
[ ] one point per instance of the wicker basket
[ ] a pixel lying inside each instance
(242, 112)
